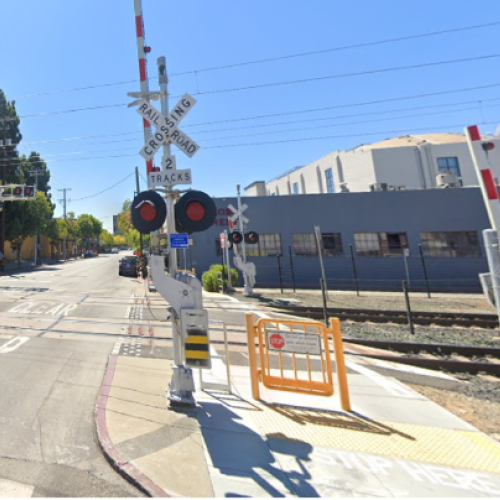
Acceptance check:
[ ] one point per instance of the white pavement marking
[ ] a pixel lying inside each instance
(12, 489)
(13, 344)
(390, 385)
(43, 308)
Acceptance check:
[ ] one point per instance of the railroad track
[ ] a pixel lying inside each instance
(478, 320)
(434, 356)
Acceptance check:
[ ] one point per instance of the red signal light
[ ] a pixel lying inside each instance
(195, 210)
(18, 191)
(251, 238)
(147, 211)
(235, 237)
(488, 146)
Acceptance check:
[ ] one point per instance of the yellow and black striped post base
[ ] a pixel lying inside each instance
(197, 348)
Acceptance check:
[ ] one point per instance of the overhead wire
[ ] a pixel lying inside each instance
(309, 110)
(307, 128)
(329, 137)
(104, 190)
(288, 82)
(346, 75)
(272, 59)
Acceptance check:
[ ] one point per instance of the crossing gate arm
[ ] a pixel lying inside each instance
(286, 332)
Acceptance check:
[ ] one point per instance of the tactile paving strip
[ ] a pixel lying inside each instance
(452, 448)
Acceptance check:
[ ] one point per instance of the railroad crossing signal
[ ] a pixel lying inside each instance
(17, 192)
(148, 212)
(251, 238)
(238, 214)
(167, 127)
(195, 211)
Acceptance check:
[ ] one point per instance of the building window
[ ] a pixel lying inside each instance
(449, 163)
(295, 188)
(304, 244)
(380, 244)
(329, 180)
(269, 245)
(332, 245)
(450, 244)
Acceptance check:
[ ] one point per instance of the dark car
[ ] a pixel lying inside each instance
(129, 265)
(88, 253)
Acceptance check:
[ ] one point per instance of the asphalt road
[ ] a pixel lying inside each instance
(49, 382)
(58, 326)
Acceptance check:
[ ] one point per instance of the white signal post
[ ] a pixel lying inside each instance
(247, 268)
(478, 149)
(181, 290)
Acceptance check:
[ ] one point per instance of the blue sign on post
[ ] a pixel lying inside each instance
(179, 241)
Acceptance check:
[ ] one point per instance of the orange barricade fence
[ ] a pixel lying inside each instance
(287, 348)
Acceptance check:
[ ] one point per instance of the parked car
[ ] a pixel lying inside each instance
(129, 265)
(88, 253)
(115, 250)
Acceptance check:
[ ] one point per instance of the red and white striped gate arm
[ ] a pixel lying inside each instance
(484, 174)
(139, 29)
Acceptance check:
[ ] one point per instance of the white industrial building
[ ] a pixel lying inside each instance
(408, 162)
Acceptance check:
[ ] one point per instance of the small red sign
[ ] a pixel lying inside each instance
(277, 341)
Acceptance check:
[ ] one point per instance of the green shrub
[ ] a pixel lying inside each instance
(210, 281)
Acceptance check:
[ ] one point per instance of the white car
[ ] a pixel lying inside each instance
(115, 250)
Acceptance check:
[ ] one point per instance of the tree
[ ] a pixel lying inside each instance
(124, 218)
(119, 240)
(57, 230)
(26, 219)
(90, 227)
(11, 128)
(106, 239)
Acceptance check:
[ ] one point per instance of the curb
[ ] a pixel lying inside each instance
(115, 459)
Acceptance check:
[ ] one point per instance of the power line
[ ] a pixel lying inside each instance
(301, 129)
(104, 190)
(329, 137)
(301, 120)
(272, 59)
(310, 110)
(346, 75)
(343, 47)
(289, 82)
(349, 105)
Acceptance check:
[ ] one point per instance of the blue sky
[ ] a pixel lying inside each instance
(59, 45)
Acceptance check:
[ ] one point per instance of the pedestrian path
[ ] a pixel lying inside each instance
(395, 442)
(13, 489)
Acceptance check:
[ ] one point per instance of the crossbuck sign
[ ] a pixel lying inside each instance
(167, 127)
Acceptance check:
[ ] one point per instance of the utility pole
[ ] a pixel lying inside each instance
(64, 201)
(141, 239)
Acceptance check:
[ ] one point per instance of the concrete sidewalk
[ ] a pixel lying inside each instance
(395, 442)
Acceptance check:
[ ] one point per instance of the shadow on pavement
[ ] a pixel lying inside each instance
(243, 456)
